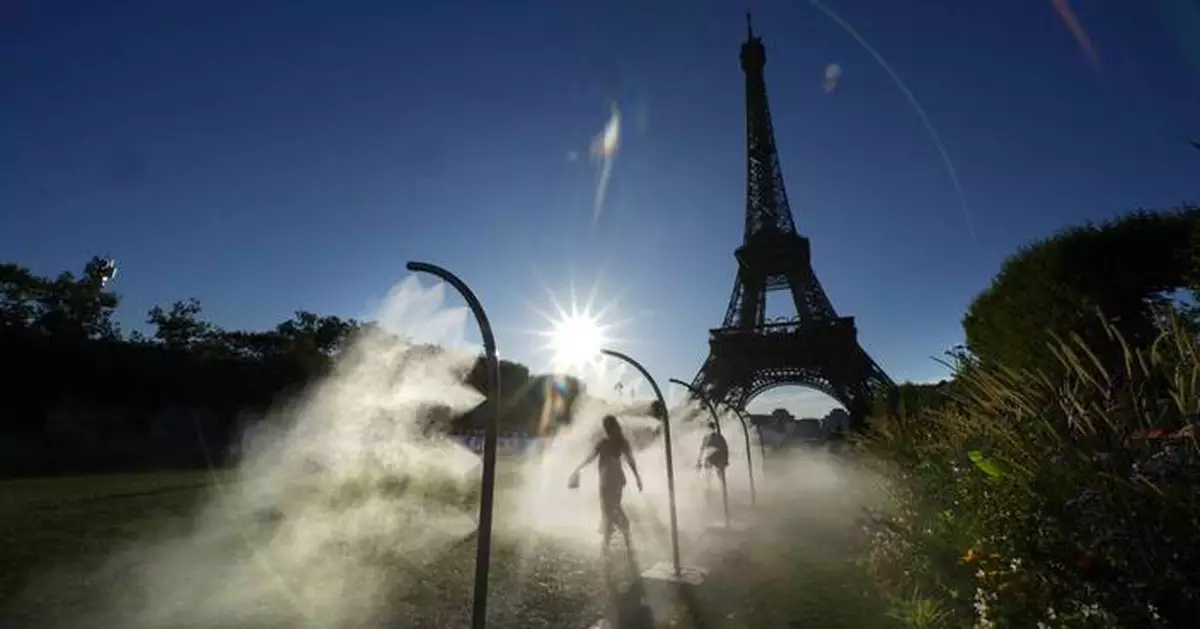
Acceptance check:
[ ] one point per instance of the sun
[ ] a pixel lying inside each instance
(573, 331)
(576, 340)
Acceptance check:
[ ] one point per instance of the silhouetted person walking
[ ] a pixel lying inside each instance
(714, 458)
(608, 454)
(714, 454)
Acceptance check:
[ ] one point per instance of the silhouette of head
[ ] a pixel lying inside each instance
(611, 427)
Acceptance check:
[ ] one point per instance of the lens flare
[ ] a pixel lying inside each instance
(604, 150)
(912, 101)
(833, 74)
(1071, 20)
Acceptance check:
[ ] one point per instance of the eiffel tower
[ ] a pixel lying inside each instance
(816, 348)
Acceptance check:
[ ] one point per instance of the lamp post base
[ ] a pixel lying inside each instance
(665, 571)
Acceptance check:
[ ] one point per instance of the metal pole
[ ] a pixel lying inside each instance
(749, 462)
(762, 445)
(483, 549)
(717, 421)
(662, 406)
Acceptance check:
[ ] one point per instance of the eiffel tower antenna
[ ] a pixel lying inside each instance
(815, 347)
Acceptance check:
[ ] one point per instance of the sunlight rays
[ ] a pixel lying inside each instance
(572, 331)
(576, 339)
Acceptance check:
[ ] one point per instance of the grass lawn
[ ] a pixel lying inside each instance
(795, 565)
(70, 525)
(46, 521)
(781, 582)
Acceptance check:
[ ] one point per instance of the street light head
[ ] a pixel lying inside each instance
(106, 271)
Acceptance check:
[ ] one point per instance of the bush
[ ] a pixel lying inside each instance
(1022, 501)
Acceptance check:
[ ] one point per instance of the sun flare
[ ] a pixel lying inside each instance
(573, 331)
(576, 340)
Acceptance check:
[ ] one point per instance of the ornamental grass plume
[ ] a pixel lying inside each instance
(1020, 501)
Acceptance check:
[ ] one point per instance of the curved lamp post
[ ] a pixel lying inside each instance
(717, 422)
(483, 549)
(762, 447)
(662, 406)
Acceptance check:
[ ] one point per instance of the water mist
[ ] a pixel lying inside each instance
(338, 499)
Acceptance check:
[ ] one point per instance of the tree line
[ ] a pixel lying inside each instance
(1134, 275)
(63, 348)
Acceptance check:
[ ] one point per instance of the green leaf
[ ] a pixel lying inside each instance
(986, 465)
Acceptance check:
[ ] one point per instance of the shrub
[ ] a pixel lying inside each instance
(1022, 501)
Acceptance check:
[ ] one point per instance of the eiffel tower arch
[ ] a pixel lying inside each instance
(815, 348)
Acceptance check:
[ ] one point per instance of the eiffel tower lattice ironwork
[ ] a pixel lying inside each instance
(816, 348)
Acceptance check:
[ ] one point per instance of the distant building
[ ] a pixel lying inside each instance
(775, 418)
(837, 420)
(807, 429)
(780, 427)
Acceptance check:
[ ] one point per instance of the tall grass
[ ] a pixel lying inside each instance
(1021, 501)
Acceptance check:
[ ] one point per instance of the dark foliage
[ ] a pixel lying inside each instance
(1021, 501)
(63, 354)
(1056, 286)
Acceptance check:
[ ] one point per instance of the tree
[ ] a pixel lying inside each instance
(192, 363)
(82, 306)
(180, 328)
(19, 293)
(304, 346)
(324, 334)
(1059, 286)
(65, 306)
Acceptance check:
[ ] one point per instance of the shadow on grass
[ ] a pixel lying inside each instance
(695, 616)
(626, 604)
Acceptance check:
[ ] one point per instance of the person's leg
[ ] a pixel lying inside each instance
(724, 492)
(627, 533)
(607, 504)
(629, 554)
(708, 484)
(620, 518)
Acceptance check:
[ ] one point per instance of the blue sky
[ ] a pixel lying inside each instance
(269, 156)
